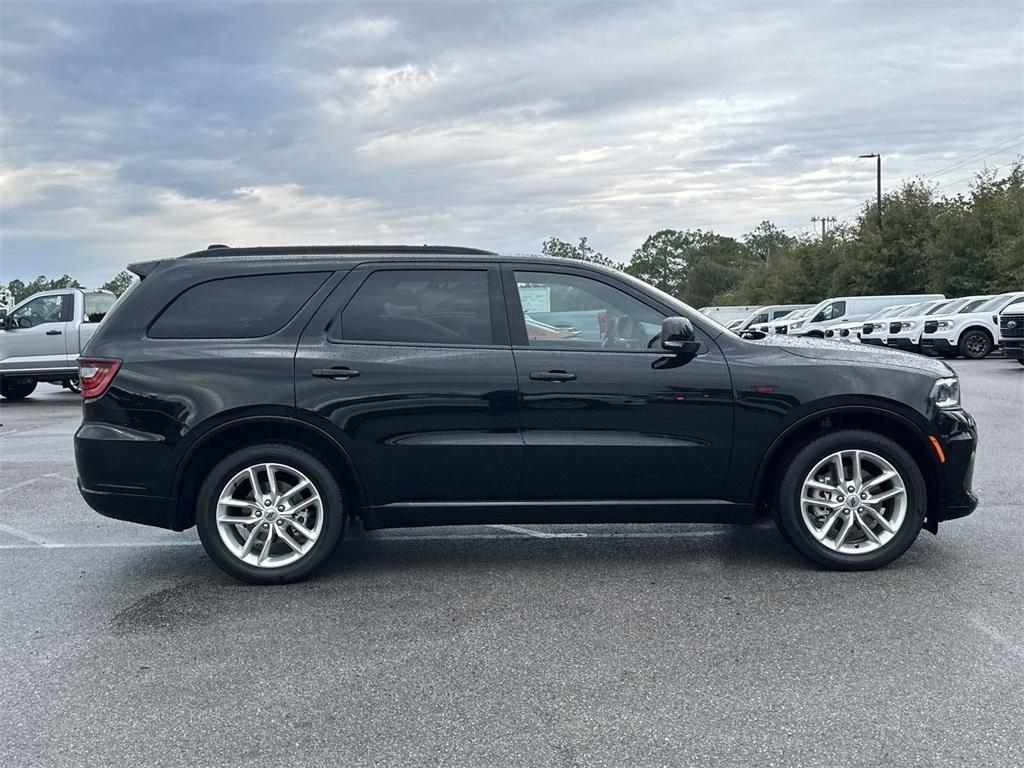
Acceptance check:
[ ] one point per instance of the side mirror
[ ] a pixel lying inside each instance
(677, 337)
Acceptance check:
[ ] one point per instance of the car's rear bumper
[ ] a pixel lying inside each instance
(937, 346)
(106, 456)
(158, 511)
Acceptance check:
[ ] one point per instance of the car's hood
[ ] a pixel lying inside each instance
(824, 349)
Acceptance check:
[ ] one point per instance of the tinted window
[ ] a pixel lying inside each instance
(236, 307)
(572, 312)
(97, 305)
(420, 306)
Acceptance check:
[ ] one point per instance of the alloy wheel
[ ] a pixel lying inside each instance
(853, 502)
(269, 515)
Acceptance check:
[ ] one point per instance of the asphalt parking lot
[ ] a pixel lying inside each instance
(487, 646)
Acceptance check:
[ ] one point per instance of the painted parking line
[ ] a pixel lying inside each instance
(37, 541)
(31, 480)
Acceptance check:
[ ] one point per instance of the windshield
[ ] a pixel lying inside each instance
(998, 302)
(885, 312)
(947, 306)
(973, 305)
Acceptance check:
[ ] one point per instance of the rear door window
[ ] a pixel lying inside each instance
(419, 306)
(237, 307)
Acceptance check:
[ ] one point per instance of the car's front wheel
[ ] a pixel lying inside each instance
(975, 344)
(851, 500)
(270, 513)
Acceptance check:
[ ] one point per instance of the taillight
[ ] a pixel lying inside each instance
(95, 374)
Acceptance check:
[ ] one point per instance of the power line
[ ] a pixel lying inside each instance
(995, 149)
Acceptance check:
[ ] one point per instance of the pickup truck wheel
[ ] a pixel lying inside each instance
(851, 500)
(270, 513)
(975, 344)
(17, 389)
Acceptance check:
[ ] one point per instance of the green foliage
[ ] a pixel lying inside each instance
(21, 290)
(119, 283)
(555, 247)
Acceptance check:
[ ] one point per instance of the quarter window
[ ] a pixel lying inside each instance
(572, 312)
(420, 306)
(237, 307)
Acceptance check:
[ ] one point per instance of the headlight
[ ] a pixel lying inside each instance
(907, 325)
(946, 393)
(797, 324)
(944, 324)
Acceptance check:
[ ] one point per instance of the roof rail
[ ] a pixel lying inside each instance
(327, 250)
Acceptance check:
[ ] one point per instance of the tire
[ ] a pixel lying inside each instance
(975, 344)
(17, 389)
(903, 511)
(1020, 360)
(74, 385)
(244, 558)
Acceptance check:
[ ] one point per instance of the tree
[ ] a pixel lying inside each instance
(21, 290)
(765, 240)
(559, 248)
(119, 283)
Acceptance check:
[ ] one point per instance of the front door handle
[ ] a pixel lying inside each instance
(338, 374)
(552, 376)
(54, 333)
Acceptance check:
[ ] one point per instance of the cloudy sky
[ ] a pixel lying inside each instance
(134, 131)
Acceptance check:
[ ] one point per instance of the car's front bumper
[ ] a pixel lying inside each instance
(936, 345)
(1012, 348)
(957, 434)
(901, 342)
(871, 340)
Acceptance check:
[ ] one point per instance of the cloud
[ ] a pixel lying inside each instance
(129, 130)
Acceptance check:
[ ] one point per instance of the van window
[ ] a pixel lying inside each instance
(780, 313)
(831, 311)
(419, 306)
(237, 307)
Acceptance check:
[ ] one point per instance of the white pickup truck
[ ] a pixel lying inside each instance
(41, 337)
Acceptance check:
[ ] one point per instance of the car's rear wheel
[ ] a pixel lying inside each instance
(851, 500)
(270, 513)
(975, 344)
(17, 389)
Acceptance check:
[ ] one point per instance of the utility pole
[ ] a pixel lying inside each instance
(824, 220)
(878, 182)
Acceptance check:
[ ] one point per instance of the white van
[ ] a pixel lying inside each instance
(843, 309)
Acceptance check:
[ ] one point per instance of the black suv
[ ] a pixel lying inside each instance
(267, 395)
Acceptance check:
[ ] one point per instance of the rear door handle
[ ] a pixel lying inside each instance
(54, 333)
(552, 376)
(338, 374)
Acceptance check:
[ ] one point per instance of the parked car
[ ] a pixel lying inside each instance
(848, 309)
(41, 337)
(971, 334)
(873, 332)
(351, 388)
(782, 324)
(759, 319)
(1011, 331)
(851, 331)
(905, 332)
